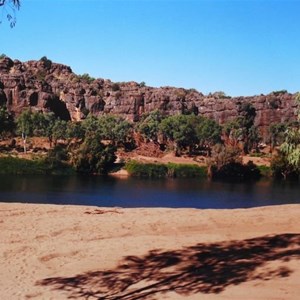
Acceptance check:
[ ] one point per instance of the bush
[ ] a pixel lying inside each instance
(186, 171)
(93, 157)
(86, 77)
(21, 166)
(265, 171)
(115, 87)
(237, 171)
(171, 170)
(47, 62)
(137, 169)
(281, 168)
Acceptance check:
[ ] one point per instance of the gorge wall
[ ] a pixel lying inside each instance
(46, 86)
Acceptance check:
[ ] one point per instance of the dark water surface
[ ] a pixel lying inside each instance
(100, 191)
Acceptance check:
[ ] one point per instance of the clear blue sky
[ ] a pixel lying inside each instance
(240, 47)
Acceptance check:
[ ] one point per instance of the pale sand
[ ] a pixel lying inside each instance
(60, 252)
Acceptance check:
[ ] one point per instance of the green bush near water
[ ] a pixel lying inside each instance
(265, 171)
(170, 170)
(137, 169)
(20, 166)
(186, 171)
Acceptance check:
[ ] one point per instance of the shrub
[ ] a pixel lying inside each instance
(137, 169)
(21, 166)
(236, 171)
(93, 157)
(86, 77)
(171, 170)
(47, 62)
(186, 171)
(115, 87)
(281, 168)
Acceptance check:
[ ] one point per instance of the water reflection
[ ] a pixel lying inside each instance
(109, 191)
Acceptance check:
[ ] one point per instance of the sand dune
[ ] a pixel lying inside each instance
(60, 252)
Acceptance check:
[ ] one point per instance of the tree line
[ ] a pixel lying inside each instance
(90, 145)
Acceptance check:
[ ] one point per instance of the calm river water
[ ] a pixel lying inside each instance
(100, 191)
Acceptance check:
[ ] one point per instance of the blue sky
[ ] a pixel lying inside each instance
(241, 47)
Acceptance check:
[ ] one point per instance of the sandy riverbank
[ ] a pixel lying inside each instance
(56, 252)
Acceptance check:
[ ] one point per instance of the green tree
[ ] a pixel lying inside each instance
(25, 126)
(148, 126)
(276, 134)
(291, 147)
(242, 128)
(75, 130)
(90, 126)
(233, 131)
(208, 133)
(59, 131)
(115, 129)
(94, 157)
(180, 130)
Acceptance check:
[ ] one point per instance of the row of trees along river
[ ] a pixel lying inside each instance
(90, 146)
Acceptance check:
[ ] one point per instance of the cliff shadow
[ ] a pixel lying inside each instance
(202, 268)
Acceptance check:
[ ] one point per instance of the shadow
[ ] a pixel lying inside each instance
(203, 268)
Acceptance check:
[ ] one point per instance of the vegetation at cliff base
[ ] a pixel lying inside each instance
(92, 144)
(170, 170)
(21, 166)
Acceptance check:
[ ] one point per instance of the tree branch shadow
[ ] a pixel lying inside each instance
(202, 268)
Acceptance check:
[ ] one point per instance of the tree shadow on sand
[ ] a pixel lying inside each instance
(203, 268)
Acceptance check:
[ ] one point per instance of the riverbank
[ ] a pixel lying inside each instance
(56, 252)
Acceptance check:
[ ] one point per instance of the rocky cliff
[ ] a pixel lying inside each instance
(47, 86)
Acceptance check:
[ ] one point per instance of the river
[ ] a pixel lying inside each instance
(132, 192)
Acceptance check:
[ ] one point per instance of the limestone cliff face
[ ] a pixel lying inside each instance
(46, 86)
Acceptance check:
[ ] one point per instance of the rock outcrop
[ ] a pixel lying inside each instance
(46, 86)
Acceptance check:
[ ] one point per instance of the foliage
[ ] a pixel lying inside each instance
(291, 147)
(148, 126)
(137, 169)
(115, 87)
(265, 171)
(86, 77)
(281, 168)
(10, 7)
(2, 56)
(116, 129)
(12, 165)
(26, 123)
(186, 171)
(208, 133)
(59, 130)
(153, 170)
(277, 93)
(20, 166)
(57, 158)
(277, 134)
(94, 157)
(190, 131)
(242, 129)
(90, 126)
(75, 130)
(222, 155)
(46, 62)
(237, 171)
(180, 129)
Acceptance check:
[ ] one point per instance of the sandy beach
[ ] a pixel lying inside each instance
(63, 252)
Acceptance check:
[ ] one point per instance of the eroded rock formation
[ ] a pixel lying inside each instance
(46, 86)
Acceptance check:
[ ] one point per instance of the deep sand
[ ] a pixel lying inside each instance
(60, 252)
